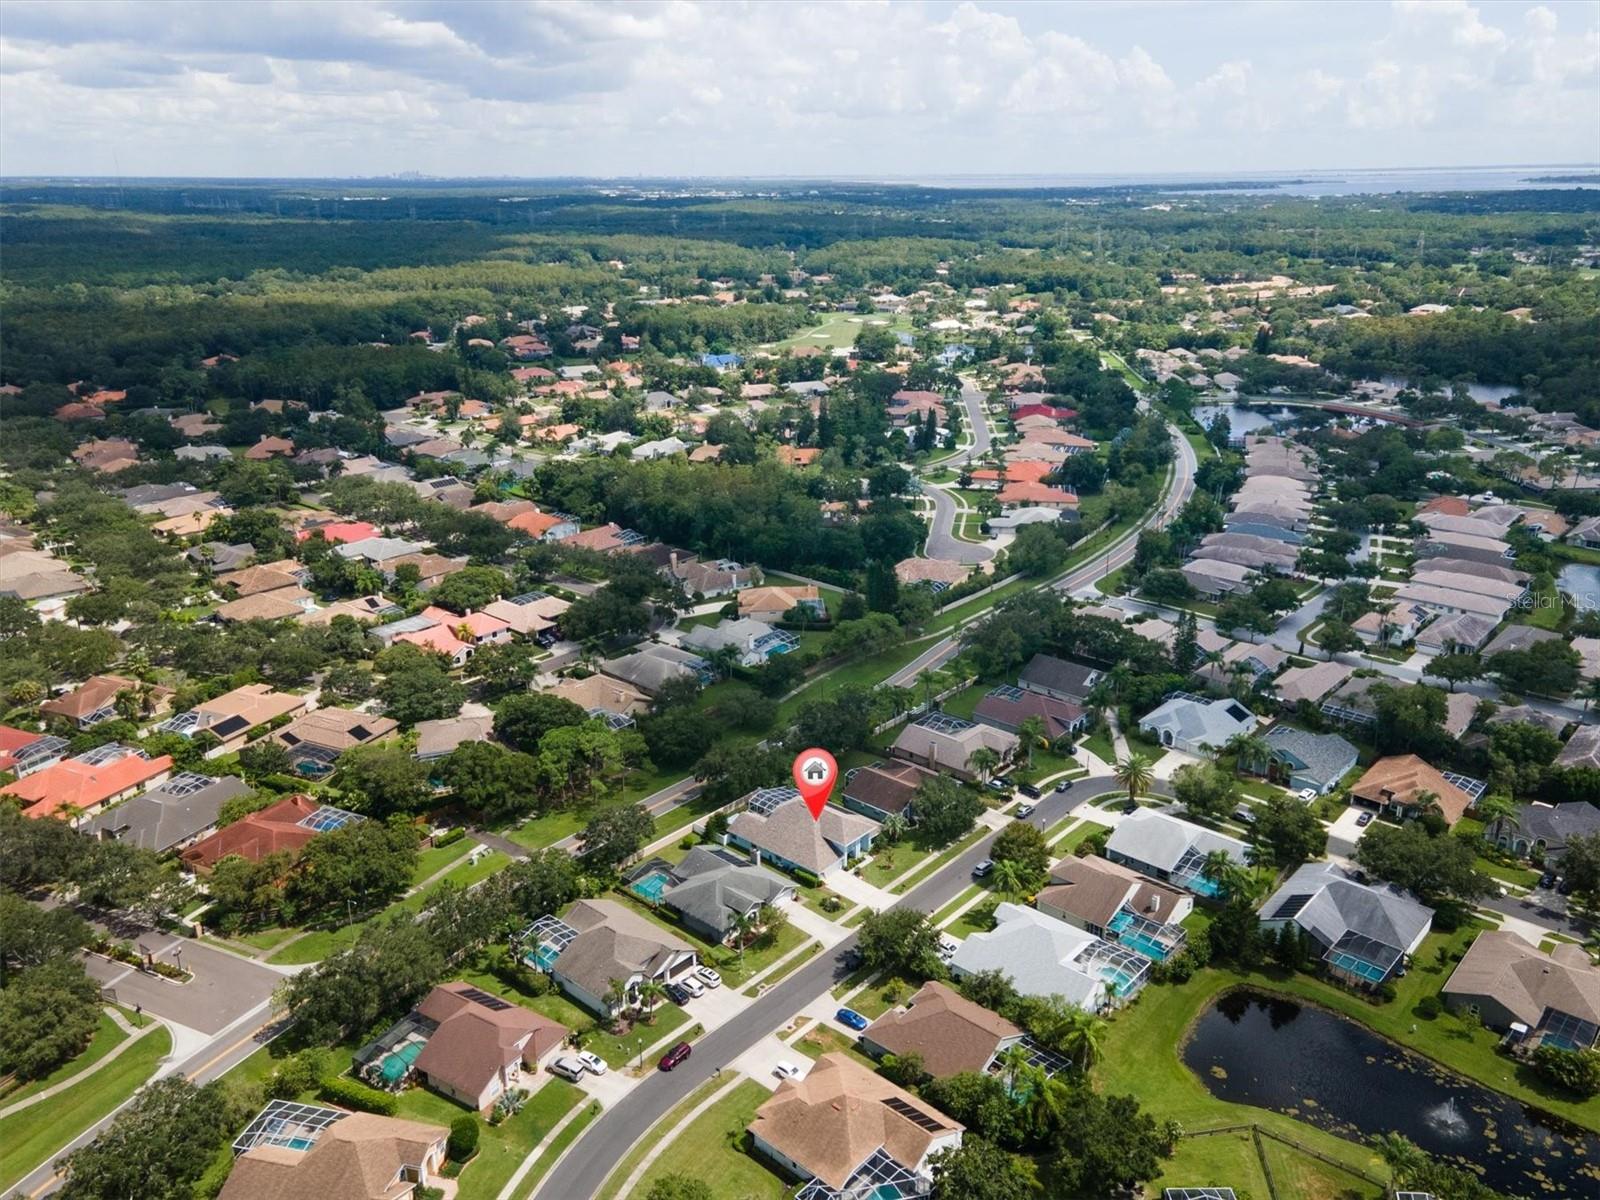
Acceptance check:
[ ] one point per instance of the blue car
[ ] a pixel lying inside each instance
(850, 1017)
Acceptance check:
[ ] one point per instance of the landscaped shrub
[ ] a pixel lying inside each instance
(293, 1076)
(1578, 1071)
(463, 1142)
(806, 877)
(348, 1093)
(450, 837)
(1429, 1007)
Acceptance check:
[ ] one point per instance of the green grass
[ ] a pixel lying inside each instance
(735, 969)
(823, 1039)
(1071, 841)
(556, 1148)
(794, 964)
(883, 995)
(969, 894)
(947, 856)
(1099, 744)
(840, 329)
(436, 858)
(713, 1149)
(33, 1135)
(107, 1037)
(891, 862)
(502, 1147)
(673, 1120)
(548, 829)
(977, 919)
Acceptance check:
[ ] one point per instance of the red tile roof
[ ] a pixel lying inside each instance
(81, 786)
(257, 835)
(341, 531)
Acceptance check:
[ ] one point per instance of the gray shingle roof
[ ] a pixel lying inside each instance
(712, 889)
(1340, 905)
(159, 820)
(1323, 756)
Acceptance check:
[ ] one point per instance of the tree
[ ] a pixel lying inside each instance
(470, 588)
(1336, 637)
(616, 834)
(365, 863)
(31, 936)
(1031, 733)
(1023, 845)
(522, 721)
(906, 1070)
(1287, 832)
(1455, 668)
(1411, 720)
(945, 810)
(418, 687)
(980, 1170)
(500, 785)
(678, 736)
(981, 1103)
(504, 670)
(1009, 880)
(901, 941)
(679, 1187)
(1038, 550)
(48, 1014)
(1580, 871)
(1186, 653)
(1133, 773)
(463, 1143)
(982, 761)
(263, 758)
(380, 780)
(392, 964)
(1435, 868)
(1106, 1145)
(893, 828)
(1546, 668)
(1205, 789)
(158, 1146)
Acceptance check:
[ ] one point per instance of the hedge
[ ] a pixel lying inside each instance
(351, 1094)
(450, 837)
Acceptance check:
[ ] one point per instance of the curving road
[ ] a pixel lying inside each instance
(942, 541)
(595, 1154)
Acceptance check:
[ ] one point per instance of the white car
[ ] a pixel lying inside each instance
(786, 1070)
(568, 1068)
(1307, 795)
(709, 977)
(692, 985)
(592, 1062)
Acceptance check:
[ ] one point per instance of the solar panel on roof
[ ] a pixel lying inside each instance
(479, 996)
(360, 732)
(231, 726)
(913, 1114)
(1291, 907)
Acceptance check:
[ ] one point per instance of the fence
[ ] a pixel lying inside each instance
(937, 699)
(1258, 1132)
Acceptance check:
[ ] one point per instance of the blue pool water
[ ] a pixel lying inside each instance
(1201, 886)
(544, 957)
(650, 887)
(1358, 966)
(1137, 939)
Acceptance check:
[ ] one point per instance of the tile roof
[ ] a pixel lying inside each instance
(81, 785)
(257, 834)
(359, 1157)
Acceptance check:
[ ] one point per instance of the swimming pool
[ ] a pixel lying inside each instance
(1357, 966)
(544, 956)
(650, 887)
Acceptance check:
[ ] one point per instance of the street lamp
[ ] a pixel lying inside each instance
(638, 1048)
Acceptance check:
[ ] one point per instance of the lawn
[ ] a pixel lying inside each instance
(947, 856)
(890, 862)
(944, 914)
(977, 919)
(436, 858)
(33, 1135)
(554, 1150)
(882, 995)
(1231, 1159)
(823, 1039)
(548, 829)
(792, 965)
(714, 1149)
(734, 967)
(107, 1037)
(1071, 841)
(661, 1129)
(1098, 743)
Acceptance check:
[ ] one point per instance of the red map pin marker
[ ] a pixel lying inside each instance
(814, 774)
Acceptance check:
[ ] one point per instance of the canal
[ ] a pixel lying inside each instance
(1331, 1072)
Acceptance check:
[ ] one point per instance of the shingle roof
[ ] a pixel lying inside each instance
(613, 942)
(889, 788)
(158, 819)
(712, 889)
(1323, 756)
(1403, 778)
(473, 1043)
(1208, 722)
(1582, 748)
(1501, 965)
(1094, 888)
(1036, 952)
(1159, 840)
(1058, 675)
(790, 833)
(358, 1157)
(1339, 905)
(948, 1031)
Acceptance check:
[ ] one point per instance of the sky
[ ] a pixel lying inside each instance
(890, 89)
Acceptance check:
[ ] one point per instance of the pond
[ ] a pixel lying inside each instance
(1581, 581)
(1331, 1072)
(1243, 419)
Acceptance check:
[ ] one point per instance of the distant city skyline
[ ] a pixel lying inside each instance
(889, 91)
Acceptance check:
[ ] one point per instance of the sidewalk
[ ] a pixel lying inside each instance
(73, 1080)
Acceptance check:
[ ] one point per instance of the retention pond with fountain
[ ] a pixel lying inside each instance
(1314, 1065)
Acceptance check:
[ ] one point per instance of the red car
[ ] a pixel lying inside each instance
(678, 1054)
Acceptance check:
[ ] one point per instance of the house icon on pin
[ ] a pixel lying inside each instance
(815, 770)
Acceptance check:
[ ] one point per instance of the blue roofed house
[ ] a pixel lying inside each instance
(1169, 849)
(1195, 724)
(1364, 932)
(1297, 759)
(775, 826)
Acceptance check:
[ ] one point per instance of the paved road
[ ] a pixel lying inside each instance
(1542, 907)
(595, 1154)
(942, 542)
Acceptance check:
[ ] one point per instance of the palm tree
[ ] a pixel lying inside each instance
(894, 827)
(744, 924)
(1495, 806)
(982, 761)
(1031, 732)
(925, 678)
(1008, 879)
(1134, 773)
(1245, 748)
(1400, 1155)
(651, 993)
(616, 997)
(1083, 1039)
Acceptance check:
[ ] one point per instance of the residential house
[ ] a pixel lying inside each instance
(282, 827)
(269, 447)
(1196, 725)
(436, 739)
(1036, 495)
(1298, 759)
(938, 573)
(711, 892)
(1171, 850)
(94, 701)
(943, 742)
(1214, 578)
(1545, 999)
(1395, 627)
(849, 1132)
(1007, 707)
(1458, 633)
(1059, 678)
(280, 605)
(22, 752)
(772, 604)
(532, 614)
(1582, 749)
(948, 1032)
(316, 739)
(883, 789)
(1310, 684)
(1403, 785)
(797, 456)
(1364, 932)
(231, 716)
(82, 786)
(169, 816)
(1046, 957)
(466, 1044)
(294, 1150)
(380, 553)
(719, 577)
(264, 577)
(776, 826)
(601, 694)
(652, 666)
(754, 641)
(1541, 831)
(1118, 904)
(599, 943)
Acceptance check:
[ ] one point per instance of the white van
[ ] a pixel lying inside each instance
(568, 1068)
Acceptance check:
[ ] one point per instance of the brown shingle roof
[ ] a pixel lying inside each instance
(948, 1031)
(473, 1043)
(356, 1158)
(1403, 778)
(1095, 888)
(1526, 982)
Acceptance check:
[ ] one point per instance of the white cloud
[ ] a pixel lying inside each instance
(673, 87)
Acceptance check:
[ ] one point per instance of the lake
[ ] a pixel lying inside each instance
(1582, 582)
(1331, 1072)
(1243, 420)
(1482, 393)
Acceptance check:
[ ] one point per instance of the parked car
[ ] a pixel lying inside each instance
(693, 986)
(1063, 785)
(850, 1017)
(1307, 795)
(850, 959)
(982, 869)
(786, 1070)
(1245, 813)
(948, 946)
(1364, 820)
(1547, 880)
(1028, 790)
(709, 977)
(677, 995)
(592, 1062)
(1024, 811)
(675, 1057)
(568, 1068)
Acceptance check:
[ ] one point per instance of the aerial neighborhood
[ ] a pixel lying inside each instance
(402, 682)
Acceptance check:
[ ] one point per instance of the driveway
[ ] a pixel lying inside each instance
(1344, 833)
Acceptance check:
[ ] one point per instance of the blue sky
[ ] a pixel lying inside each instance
(373, 87)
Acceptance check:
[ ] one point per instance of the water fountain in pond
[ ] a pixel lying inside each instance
(1447, 1119)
